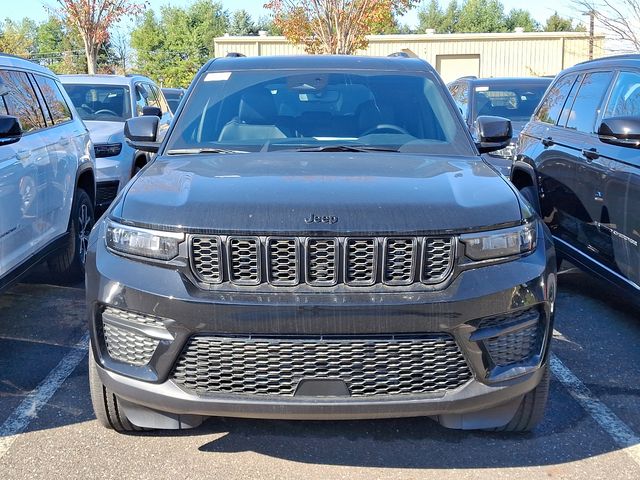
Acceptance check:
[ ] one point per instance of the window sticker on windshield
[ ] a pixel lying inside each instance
(482, 89)
(217, 76)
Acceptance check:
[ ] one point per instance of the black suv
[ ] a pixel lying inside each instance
(514, 98)
(319, 238)
(579, 163)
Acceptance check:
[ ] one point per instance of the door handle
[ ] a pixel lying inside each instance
(63, 141)
(547, 142)
(590, 154)
(22, 154)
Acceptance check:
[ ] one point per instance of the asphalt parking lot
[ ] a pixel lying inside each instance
(47, 427)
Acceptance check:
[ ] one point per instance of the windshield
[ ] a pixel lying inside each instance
(262, 110)
(100, 102)
(516, 103)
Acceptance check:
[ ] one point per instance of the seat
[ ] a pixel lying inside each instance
(257, 119)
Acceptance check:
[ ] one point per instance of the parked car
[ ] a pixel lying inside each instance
(579, 164)
(47, 186)
(513, 98)
(319, 238)
(105, 102)
(173, 96)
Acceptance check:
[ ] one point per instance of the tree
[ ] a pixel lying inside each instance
(620, 18)
(59, 47)
(92, 19)
(555, 23)
(172, 47)
(518, 17)
(481, 16)
(242, 24)
(17, 38)
(334, 26)
(431, 17)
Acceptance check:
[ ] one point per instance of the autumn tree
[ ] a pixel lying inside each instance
(92, 19)
(334, 26)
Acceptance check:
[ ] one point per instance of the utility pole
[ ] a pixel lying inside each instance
(592, 22)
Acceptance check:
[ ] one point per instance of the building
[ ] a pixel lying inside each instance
(455, 55)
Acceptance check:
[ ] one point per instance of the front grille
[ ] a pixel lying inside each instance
(522, 338)
(132, 317)
(322, 262)
(128, 346)
(106, 192)
(369, 366)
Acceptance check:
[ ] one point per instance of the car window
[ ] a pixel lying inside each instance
(152, 96)
(554, 100)
(108, 103)
(625, 97)
(460, 94)
(252, 110)
(162, 103)
(515, 102)
(3, 107)
(587, 104)
(21, 100)
(55, 102)
(564, 116)
(142, 98)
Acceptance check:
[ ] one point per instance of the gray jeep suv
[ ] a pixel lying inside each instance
(319, 238)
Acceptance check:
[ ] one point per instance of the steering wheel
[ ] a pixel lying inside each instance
(105, 111)
(386, 128)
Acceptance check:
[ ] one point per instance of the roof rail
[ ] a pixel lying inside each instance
(468, 77)
(399, 54)
(235, 55)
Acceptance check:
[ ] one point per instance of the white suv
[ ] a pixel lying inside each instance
(47, 183)
(105, 102)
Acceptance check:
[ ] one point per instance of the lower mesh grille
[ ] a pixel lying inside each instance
(127, 346)
(368, 366)
(517, 345)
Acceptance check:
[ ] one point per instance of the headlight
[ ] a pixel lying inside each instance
(143, 242)
(500, 243)
(107, 149)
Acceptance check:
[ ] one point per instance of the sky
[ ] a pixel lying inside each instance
(35, 9)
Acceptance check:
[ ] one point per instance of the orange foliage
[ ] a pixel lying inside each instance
(334, 26)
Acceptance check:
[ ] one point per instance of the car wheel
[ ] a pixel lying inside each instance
(531, 409)
(106, 404)
(68, 263)
(530, 194)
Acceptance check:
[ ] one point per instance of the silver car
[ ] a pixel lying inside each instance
(47, 181)
(105, 102)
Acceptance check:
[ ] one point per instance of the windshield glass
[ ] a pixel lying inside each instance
(516, 102)
(100, 102)
(291, 110)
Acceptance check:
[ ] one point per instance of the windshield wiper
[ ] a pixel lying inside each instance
(192, 151)
(346, 148)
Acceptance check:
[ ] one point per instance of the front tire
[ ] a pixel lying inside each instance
(68, 263)
(105, 403)
(531, 410)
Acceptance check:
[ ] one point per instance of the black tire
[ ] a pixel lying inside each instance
(531, 410)
(105, 403)
(530, 194)
(68, 263)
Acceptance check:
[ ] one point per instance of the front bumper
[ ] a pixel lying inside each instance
(187, 311)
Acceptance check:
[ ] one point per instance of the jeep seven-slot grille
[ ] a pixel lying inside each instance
(368, 366)
(321, 261)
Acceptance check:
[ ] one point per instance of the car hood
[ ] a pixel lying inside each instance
(317, 192)
(105, 132)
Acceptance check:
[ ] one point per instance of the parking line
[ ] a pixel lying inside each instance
(28, 409)
(619, 431)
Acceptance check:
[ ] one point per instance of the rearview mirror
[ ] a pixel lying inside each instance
(622, 131)
(10, 130)
(494, 133)
(142, 133)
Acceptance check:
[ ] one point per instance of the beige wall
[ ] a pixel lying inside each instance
(501, 54)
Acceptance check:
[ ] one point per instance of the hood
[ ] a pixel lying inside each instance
(318, 192)
(105, 132)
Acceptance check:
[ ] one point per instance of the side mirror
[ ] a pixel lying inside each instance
(149, 111)
(494, 133)
(10, 130)
(142, 133)
(622, 131)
